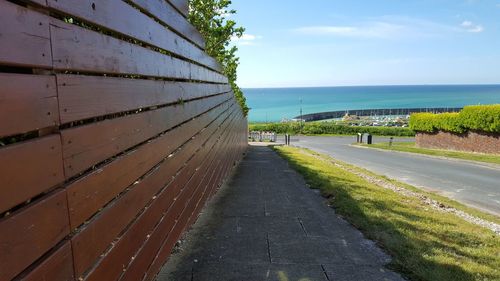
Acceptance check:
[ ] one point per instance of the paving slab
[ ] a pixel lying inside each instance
(266, 224)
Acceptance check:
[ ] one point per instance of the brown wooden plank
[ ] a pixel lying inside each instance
(39, 2)
(83, 97)
(87, 195)
(111, 266)
(191, 199)
(28, 234)
(28, 102)
(195, 198)
(165, 13)
(58, 266)
(120, 255)
(222, 163)
(205, 186)
(25, 37)
(120, 17)
(213, 180)
(147, 253)
(181, 5)
(112, 220)
(187, 205)
(88, 145)
(79, 49)
(28, 169)
(113, 263)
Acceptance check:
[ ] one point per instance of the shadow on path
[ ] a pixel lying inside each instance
(266, 224)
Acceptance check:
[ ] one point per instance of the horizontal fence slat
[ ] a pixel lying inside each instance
(181, 5)
(113, 220)
(25, 37)
(195, 199)
(28, 169)
(87, 194)
(133, 238)
(82, 97)
(120, 17)
(82, 50)
(28, 102)
(27, 235)
(165, 13)
(58, 266)
(39, 2)
(88, 145)
(148, 251)
(131, 129)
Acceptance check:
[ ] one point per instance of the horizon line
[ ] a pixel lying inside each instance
(380, 85)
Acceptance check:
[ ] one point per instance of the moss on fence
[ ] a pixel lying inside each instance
(483, 118)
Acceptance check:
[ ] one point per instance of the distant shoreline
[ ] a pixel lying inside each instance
(274, 105)
(371, 112)
(375, 86)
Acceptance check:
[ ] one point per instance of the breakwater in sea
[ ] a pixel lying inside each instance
(277, 104)
(373, 112)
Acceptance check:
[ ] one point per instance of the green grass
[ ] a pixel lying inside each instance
(410, 147)
(425, 244)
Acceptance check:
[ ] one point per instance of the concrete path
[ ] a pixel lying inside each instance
(267, 225)
(473, 184)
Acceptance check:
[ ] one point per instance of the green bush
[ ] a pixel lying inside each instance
(484, 118)
(422, 122)
(481, 118)
(321, 128)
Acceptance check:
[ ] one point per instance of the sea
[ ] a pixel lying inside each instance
(278, 104)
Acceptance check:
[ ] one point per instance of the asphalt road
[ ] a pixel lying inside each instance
(473, 184)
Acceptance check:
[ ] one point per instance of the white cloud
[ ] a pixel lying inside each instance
(370, 30)
(390, 27)
(385, 27)
(471, 27)
(246, 39)
(466, 24)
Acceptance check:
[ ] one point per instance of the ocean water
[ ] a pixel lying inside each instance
(275, 104)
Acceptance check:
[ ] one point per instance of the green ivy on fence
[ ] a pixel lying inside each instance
(211, 18)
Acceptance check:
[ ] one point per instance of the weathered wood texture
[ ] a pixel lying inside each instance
(116, 129)
(122, 18)
(180, 5)
(163, 12)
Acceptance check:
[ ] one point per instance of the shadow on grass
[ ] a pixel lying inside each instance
(425, 245)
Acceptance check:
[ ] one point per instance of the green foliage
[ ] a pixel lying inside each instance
(484, 118)
(422, 122)
(322, 128)
(210, 17)
(429, 122)
(481, 118)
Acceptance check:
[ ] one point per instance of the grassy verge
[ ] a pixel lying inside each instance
(425, 244)
(410, 147)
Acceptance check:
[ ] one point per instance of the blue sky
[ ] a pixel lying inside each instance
(364, 42)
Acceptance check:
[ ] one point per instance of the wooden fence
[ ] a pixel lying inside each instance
(116, 128)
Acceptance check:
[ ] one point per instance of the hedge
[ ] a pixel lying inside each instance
(482, 118)
(322, 128)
